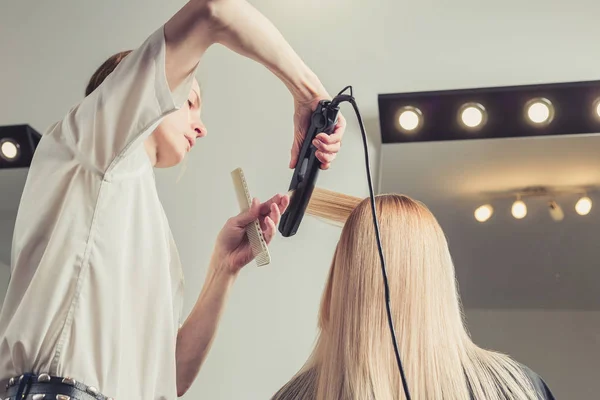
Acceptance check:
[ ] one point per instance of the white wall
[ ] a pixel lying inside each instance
(563, 347)
(268, 328)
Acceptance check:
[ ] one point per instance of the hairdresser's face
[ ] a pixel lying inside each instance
(177, 133)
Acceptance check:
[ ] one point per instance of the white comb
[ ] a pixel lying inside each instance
(253, 230)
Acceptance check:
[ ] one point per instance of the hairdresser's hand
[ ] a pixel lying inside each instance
(327, 145)
(232, 250)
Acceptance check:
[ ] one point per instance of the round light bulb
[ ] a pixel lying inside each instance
(472, 115)
(540, 111)
(484, 213)
(410, 119)
(9, 150)
(519, 209)
(583, 206)
(598, 109)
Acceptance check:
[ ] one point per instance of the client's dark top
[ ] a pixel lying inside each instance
(293, 390)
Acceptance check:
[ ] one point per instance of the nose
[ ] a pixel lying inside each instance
(200, 129)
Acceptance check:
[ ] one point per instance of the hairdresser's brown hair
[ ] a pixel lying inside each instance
(104, 70)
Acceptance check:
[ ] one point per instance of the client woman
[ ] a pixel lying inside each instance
(354, 358)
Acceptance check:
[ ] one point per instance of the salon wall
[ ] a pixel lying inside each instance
(268, 329)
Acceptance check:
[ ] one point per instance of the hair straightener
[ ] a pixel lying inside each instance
(323, 119)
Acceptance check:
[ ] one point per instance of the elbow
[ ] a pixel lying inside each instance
(182, 388)
(216, 14)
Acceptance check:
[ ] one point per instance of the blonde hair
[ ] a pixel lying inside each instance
(353, 357)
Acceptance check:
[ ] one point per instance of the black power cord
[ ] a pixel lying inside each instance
(340, 98)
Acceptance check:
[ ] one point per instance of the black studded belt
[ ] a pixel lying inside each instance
(46, 387)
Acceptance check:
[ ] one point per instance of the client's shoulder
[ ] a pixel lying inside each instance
(538, 383)
(300, 387)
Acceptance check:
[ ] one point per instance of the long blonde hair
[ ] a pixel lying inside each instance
(353, 358)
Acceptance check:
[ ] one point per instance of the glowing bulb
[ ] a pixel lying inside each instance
(472, 115)
(598, 109)
(484, 213)
(540, 111)
(9, 150)
(556, 211)
(519, 209)
(583, 206)
(410, 119)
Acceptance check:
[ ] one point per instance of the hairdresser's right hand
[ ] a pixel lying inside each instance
(232, 250)
(327, 145)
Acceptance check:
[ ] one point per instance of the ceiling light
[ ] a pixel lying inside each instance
(484, 213)
(519, 209)
(597, 108)
(583, 206)
(539, 111)
(472, 115)
(556, 211)
(9, 149)
(410, 119)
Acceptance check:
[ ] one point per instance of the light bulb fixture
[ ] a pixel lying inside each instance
(539, 111)
(472, 115)
(519, 209)
(583, 206)
(596, 109)
(484, 213)
(556, 211)
(410, 119)
(9, 150)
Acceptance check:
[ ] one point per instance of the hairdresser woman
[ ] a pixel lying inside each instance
(94, 303)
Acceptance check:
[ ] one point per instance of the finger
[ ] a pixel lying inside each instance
(275, 214)
(248, 216)
(325, 166)
(285, 202)
(337, 134)
(269, 232)
(295, 151)
(265, 208)
(325, 158)
(327, 147)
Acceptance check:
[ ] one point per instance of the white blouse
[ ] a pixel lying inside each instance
(96, 288)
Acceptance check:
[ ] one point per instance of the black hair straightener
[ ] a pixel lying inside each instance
(323, 119)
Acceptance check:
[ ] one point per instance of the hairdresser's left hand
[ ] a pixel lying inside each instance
(232, 250)
(327, 145)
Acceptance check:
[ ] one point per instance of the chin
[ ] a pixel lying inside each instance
(171, 160)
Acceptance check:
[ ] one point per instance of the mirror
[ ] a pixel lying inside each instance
(528, 273)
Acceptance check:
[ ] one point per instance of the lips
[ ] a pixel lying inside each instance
(191, 141)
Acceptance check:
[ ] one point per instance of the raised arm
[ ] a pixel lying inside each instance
(237, 25)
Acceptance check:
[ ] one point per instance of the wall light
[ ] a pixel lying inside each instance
(539, 111)
(484, 213)
(583, 206)
(556, 211)
(472, 115)
(597, 108)
(9, 149)
(410, 119)
(519, 209)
